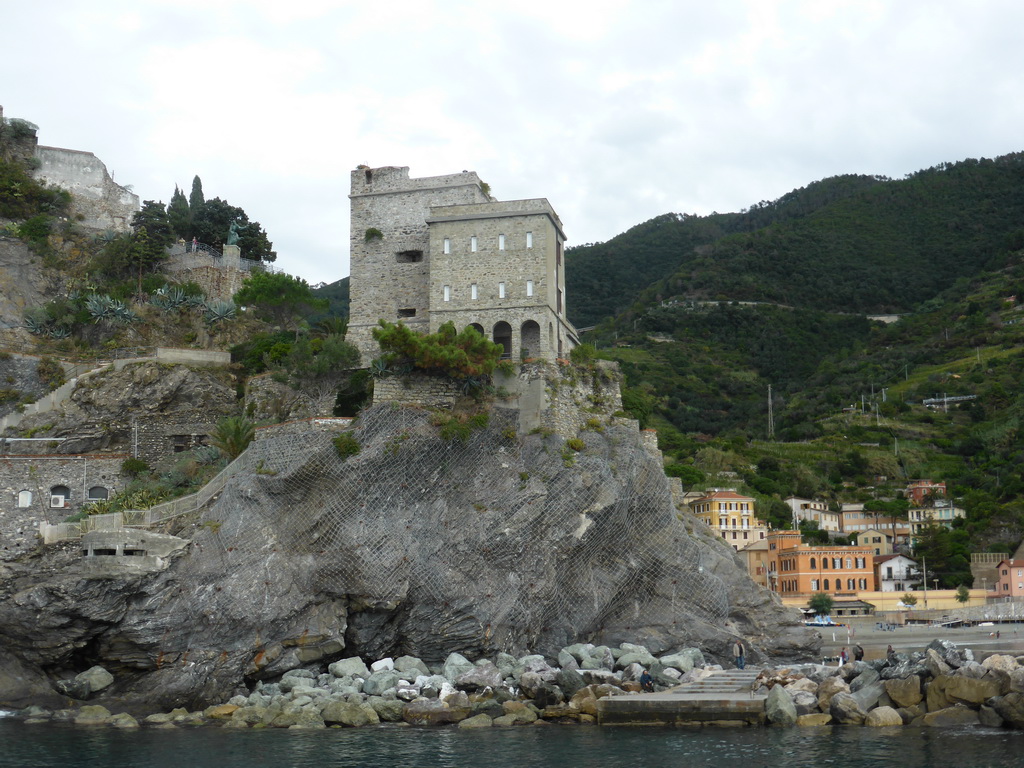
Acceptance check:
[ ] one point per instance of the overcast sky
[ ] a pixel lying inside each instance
(616, 112)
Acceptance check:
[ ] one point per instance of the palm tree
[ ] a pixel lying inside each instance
(233, 435)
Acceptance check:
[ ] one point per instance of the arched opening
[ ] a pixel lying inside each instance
(531, 338)
(98, 493)
(478, 328)
(24, 499)
(59, 495)
(814, 563)
(826, 585)
(503, 336)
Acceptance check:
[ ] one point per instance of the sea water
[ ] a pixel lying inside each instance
(535, 746)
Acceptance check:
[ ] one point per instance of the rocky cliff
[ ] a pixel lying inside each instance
(423, 534)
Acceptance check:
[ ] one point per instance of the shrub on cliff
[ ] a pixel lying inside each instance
(457, 355)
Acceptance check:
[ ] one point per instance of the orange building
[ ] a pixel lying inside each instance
(919, 490)
(796, 569)
(731, 516)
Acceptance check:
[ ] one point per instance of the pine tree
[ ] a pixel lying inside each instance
(196, 200)
(180, 215)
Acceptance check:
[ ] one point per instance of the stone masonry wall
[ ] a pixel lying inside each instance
(416, 389)
(382, 285)
(39, 475)
(515, 271)
(98, 202)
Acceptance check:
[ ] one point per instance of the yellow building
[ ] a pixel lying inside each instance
(879, 541)
(731, 516)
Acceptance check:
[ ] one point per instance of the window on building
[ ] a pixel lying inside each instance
(501, 290)
(25, 499)
(60, 495)
(814, 585)
(447, 293)
(850, 584)
(861, 562)
(409, 257)
(529, 239)
(826, 585)
(97, 493)
(472, 244)
(529, 287)
(408, 311)
(501, 242)
(814, 563)
(824, 563)
(447, 245)
(473, 293)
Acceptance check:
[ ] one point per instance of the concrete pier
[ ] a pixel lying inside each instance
(723, 698)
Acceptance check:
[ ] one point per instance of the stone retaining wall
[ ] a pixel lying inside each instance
(38, 475)
(416, 389)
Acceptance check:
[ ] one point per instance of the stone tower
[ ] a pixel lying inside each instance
(426, 251)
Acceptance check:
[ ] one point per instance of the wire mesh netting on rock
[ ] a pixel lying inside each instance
(492, 542)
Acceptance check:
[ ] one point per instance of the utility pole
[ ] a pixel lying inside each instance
(924, 579)
(771, 415)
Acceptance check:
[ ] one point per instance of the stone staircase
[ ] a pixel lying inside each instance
(726, 682)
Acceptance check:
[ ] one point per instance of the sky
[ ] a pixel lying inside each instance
(614, 111)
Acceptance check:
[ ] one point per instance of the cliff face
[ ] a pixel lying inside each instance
(421, 543)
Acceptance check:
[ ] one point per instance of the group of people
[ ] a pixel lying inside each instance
(858, 654)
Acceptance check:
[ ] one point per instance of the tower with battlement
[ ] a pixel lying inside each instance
(437, 249)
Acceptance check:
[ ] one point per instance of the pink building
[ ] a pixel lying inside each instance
(1010, 575)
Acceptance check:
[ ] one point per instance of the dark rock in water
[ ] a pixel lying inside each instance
(418, 545)
(846, 709)
(1010, 707)
(548, 695)
(570, 681)
(779, 707)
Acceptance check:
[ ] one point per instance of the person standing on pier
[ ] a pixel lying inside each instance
(739, 653)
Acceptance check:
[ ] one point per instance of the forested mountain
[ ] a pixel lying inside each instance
(850, 243)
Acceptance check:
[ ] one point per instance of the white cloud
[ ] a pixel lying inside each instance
(614, 111)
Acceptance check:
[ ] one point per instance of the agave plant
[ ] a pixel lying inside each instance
(216, 310)
(206, 454)
(170, 297)
(60, 332)
(38, 322)
(101, 307)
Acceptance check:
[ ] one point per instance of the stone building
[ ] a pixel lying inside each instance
(431, 250)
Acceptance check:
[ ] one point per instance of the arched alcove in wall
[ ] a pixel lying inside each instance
(530, 339)
(503, 336)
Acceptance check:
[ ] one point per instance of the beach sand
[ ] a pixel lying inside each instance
(915, 637)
